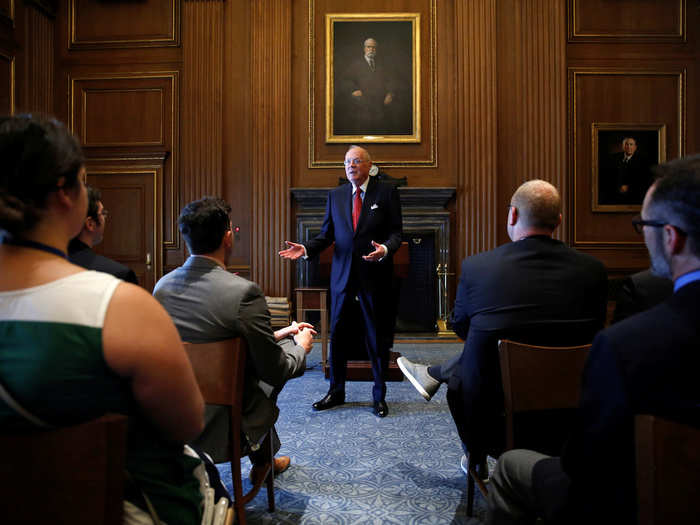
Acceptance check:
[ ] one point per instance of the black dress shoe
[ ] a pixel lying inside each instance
(380, 409)
(331, 400)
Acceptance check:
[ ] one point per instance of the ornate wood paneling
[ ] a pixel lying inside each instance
(237, 109)
(531, 100)
(271, 85)
(607, 95)
(632, 64)
(93, 24)
(627, 20)
(131, 192)
(477, 162)
(7, 84)
(117, 110)
(127, 114)
(202, 100)
(37, 93)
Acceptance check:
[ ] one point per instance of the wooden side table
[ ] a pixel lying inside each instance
(315, 300)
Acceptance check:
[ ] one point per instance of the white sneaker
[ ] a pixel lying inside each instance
(419, 377)
(490, 465)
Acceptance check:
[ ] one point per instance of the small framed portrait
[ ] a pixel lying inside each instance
(623, 155)
(373, 77)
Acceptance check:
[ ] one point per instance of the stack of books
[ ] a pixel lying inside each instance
(279, 311)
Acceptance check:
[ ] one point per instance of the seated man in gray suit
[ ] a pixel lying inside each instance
(207, 304)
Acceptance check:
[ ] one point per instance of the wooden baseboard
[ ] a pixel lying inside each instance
(362, 370)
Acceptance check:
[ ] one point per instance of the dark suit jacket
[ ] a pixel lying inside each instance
(634, 173)
(537, 291)
(380, 221)
(365, 114)
(81, 254)
(646, 364)
(640, 292)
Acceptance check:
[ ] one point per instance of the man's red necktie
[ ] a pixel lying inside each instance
(356, 208)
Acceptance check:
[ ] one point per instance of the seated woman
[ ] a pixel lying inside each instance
(76, 344)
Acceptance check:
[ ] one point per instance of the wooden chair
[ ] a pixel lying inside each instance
(668, 471)
(535, 379)
(220, 369)
(68, 475)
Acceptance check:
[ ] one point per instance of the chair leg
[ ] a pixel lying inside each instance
(271, 479)
(470, 496)
(237, 482)
(238, 505)
(271, 491)
(473, 479)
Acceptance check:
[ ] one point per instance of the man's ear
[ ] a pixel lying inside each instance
(228, 238)
(513, 216)
(674, 240)
(90, 224)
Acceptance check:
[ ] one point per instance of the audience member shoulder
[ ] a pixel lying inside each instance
(141, 343)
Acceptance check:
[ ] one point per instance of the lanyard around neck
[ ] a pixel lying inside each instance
(25, 243)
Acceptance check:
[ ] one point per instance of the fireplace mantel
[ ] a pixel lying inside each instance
(423, 210)
(411, 197)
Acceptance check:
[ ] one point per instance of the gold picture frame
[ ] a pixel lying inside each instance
(373, 100)
(623, 154)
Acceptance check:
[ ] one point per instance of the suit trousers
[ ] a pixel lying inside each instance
(527, 485)
(217, 422)
(357, 327)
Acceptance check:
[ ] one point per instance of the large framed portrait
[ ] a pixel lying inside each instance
(623, 155)
(373, 78)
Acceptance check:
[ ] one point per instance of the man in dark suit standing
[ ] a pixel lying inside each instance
(646, 364)
(534, 290)
(80, 248)
(363, 219)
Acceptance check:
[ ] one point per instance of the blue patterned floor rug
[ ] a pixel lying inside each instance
(350, 467)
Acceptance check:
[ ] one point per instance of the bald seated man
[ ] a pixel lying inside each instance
(534, 290)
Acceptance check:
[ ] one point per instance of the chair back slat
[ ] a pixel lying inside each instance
(541, 377)
(68, 475)
(668, 471)
(219, 369)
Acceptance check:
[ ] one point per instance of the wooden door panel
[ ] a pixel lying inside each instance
(130, 230)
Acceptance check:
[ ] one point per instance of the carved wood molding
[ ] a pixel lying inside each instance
(271, 100)
(121, 32)
(47, 7)
(535, 99)
(39, 76)
(7, 91)
(202, 100)
(475, 61)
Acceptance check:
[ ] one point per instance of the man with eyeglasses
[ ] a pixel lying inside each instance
(646, 364)
(80, 248)
(363, 219)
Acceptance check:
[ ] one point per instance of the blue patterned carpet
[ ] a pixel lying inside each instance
(350, 467)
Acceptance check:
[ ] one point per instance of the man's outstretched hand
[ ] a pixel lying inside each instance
(293, 251)
(378, 253)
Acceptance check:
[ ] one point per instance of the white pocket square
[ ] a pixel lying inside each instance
(374, 207)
